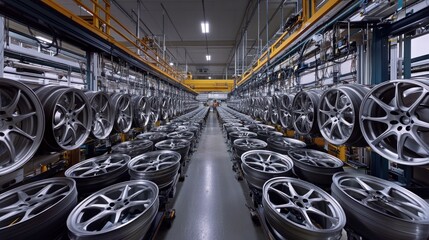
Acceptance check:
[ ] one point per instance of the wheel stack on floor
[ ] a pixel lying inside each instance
(115, 195)
(307, 195)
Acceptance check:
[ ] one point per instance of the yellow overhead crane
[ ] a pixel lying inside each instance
(210, 85)
(108, 27)
(308, 18)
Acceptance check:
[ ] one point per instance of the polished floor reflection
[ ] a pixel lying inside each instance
(211, 204)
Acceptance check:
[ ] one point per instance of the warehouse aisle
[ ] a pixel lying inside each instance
(211, 204)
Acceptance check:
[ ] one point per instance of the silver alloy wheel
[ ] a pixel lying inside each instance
(241, 134)
(103, 114)
(155, 137)
(22, 125)
(261, 165)
(300, 210)
(304, 112)
(264, 134)
(339, 114)
(68, 117)
(182, 146)
(96, 173)
(160, 167)
(121, 211)
(285, 111)
(283, 144)
(182, 135)
(37, 210)
(141, 111)
(380, 209)
(395, 121)
(315, 166)
(133, 148)
(154, 109)
(243, 145)
(124, 112)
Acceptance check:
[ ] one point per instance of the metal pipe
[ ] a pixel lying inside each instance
(259, 19)
(138, 26)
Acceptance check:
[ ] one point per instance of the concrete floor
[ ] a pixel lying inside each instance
(210, 204)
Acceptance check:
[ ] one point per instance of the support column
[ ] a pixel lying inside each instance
(2, 44)
(380, 73)
(92, 71)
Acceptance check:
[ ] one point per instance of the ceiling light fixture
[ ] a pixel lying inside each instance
(210, 77)
(171, 64)
(205, 27)
(208, 57)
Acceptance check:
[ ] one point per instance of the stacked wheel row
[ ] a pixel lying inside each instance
(303, 208)
(60, 118)
(392, 117)
(120, 193)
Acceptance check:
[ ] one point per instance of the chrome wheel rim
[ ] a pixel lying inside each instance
(44, 204)
(395, 122)
(315, 166)
(68, 117)
(124, 112)
(133, 148)
(284, 144)
(22, 125)
(160, 167)
(370, 203)
(102, 114)
(299, 210)
(141, 111)
(305, 112)
(124, 210)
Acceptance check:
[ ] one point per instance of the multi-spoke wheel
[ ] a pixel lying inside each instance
(304, 112)
(154, 109)
(141, 111)
(296, 209)
(380, 209)
(181, 146)
(285, 111)
(339, 114)
(165, 128)
(315, 166)
(395, 121)
(22, 124)
(274, 117)
(133, 148)
(121, 211)
(68, 117)
(260, 127)
(241, 134)
(182, 135)
(160, 167)
(124, 112)
(165, 107)
(261, 165)
(155, 137)
(99, 172)
(266, 105)
(283, 144)
(243, 145)
(37, 210)
(103, 114)
(265, 134)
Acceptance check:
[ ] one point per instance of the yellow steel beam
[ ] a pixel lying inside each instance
(286, 39)
(210, 85)
(154, 62)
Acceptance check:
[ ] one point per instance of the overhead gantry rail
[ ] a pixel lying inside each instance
(102, 32)
(309, 17)
(211, 85)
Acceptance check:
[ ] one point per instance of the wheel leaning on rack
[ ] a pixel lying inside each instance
(22, 124)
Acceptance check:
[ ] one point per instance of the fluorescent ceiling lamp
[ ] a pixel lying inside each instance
(205, 27)
(84, 9)
(210, 77)
(44, 40)
(208, 57)
(171, 64)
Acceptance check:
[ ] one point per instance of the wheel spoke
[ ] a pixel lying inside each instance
(14, 103)
(383, 105)
(21, 117)
(22, 133)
